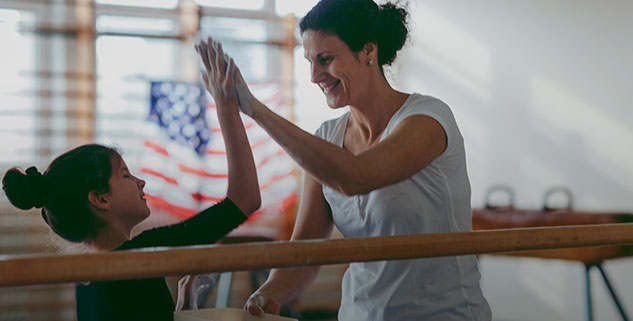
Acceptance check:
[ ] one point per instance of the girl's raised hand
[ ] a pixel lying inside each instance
(219, 73)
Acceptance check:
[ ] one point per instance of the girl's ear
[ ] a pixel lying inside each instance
(98, 200)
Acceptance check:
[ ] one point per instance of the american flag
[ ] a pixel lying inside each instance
(184, 159)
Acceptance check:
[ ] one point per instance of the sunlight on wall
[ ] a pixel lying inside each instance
(535, 290)
(452, 51)
(604, 138)
(532, 277)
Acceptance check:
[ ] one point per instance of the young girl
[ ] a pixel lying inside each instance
(88, 195)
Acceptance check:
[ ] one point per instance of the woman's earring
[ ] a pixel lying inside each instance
(371, 62)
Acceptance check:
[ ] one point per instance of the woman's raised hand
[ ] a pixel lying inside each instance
(219, 73)
(246, 98)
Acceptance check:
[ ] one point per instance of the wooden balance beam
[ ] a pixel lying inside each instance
(239, 257)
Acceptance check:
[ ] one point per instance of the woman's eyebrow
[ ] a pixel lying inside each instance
(320, 54)
(325, 52)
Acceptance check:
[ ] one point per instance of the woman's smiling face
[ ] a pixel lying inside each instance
(338, 71)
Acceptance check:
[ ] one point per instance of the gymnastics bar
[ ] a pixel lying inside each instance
(240, 257)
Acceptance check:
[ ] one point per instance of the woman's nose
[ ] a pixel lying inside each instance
(317, 73)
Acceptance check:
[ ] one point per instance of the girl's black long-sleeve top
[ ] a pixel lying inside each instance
(150, 299)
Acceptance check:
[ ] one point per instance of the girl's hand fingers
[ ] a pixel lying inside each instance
(205, 79)
(220, 57)
(204, 54)
(212, 53)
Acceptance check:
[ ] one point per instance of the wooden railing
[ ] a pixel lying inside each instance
(239, 257)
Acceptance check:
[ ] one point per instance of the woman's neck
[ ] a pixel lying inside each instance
(371, 115)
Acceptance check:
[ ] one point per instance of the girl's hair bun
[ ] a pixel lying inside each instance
(25, 190)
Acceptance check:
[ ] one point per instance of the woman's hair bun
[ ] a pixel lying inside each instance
(394, 32)
(25, 190)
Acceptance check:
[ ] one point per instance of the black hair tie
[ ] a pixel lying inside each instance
(37, 186)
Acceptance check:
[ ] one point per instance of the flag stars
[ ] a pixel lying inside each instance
(178, 108)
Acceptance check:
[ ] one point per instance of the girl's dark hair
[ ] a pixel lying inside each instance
(62, 191)
(357, 22)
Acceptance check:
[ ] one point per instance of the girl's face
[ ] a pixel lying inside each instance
(126, 196)
(339, 72)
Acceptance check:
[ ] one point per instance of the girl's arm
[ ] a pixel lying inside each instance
(219, 79)
(243, 196)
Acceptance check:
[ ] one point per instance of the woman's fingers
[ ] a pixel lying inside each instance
(273, 307)
(259, 304)
(230, 72)
(255, 310)
(244, 96)
(255, 305)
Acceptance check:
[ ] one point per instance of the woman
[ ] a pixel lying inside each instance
(89, 195)
(394, 164)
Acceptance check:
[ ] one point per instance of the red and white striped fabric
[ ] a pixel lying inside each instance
(181, 182)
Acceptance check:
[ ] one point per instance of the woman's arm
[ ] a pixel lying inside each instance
(413, 145)
(219, 79)
(314, 221)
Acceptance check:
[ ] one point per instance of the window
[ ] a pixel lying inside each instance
(125, 66)
(167, 4)
(298, 8)
(233, 4)
(18, 83)
(245, 40)
(80, 72)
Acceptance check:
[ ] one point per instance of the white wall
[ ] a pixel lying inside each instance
(543, 94)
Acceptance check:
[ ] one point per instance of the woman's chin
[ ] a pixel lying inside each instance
(334, 102)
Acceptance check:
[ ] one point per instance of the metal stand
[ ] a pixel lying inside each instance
(614, 296)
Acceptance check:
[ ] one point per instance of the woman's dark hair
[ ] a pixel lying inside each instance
(358, 22)
(62, 191)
